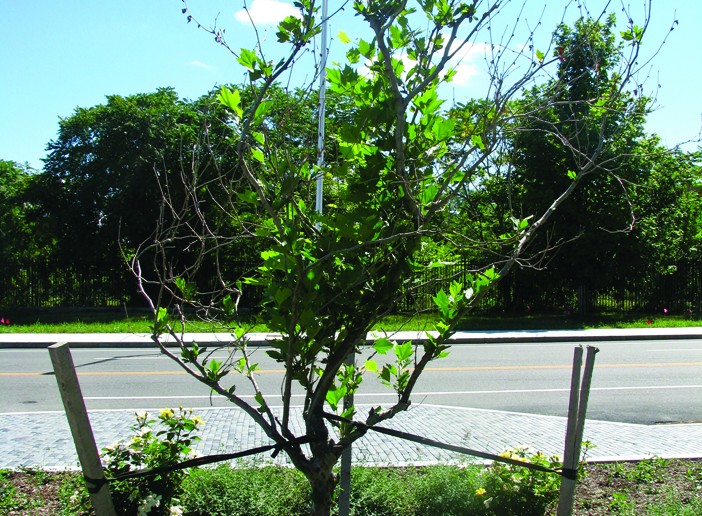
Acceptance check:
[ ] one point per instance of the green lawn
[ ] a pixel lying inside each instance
(138, 321)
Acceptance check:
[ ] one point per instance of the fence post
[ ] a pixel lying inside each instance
(577, 410)
(79, 423)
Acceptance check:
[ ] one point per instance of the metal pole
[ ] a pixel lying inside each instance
(322, 110)
(345, 480)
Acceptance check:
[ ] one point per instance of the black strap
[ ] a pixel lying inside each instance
(438, 444)
(201, 461)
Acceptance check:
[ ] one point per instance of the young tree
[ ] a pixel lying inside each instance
(327, 279)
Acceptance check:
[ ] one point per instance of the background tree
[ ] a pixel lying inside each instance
(328, 279)
(16, 229)
(586, 242)
(667, 207)
(102, 181)
(99, 181)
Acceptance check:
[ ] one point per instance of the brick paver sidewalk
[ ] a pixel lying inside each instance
(43, 439)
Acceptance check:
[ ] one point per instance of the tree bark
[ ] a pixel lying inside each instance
(323, 481)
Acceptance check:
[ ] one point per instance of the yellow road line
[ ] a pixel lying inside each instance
(433, 369)
(533, 367)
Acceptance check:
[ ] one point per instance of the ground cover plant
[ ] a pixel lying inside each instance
(651, 487)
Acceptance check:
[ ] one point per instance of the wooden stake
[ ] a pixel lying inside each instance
(79, 423)
(577, 410)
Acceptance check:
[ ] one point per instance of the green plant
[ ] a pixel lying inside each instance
(649, 471)
(149, 448)
(10, 498)
(227, 491)
(325, 278)
(512, 489)
(619, 502)
(436, 490)
(73, 496)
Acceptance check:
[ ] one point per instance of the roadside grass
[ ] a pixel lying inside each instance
(652, 487)
(91, 320)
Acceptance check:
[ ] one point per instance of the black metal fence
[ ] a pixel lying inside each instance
(43, 284)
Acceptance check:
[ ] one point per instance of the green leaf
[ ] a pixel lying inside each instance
(442, 302)
(404, 351)
(540, 56)
(366, 49)
(247, 59)
(382, 345)
(387, 373)
(240, 365)
(257, 154)
(477, 140)
(231, 99)
(343, 37)
(161, 322)
(261, 402)
(187, 289)
(228, 305)
(372, 366)
(572, 175)
(335, 395)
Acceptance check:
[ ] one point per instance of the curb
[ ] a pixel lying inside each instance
(143, 340)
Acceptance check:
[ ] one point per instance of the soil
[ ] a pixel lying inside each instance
(607, 487)
(40, 491)
(602, 490)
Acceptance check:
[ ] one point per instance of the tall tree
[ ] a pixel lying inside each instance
(100, 177)
(15, 226)
(327, 279)
(667, 206)
(585, 243)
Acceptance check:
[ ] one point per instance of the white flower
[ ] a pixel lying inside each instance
(176, 510)
(148, 503)
(469, 293)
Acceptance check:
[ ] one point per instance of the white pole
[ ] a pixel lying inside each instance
(322, 109)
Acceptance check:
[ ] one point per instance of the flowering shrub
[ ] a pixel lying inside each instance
(510, 489)
(149, 448)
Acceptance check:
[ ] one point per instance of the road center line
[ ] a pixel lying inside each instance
(432, 369)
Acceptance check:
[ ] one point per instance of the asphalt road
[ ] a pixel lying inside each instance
(647, 381)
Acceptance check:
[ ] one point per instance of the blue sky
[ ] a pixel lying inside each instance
(59, 55)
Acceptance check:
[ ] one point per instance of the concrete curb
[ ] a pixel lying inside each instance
(143, 340)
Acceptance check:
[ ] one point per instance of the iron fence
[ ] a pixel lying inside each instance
(42, 284)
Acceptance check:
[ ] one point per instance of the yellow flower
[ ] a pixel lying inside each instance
(197, 420)
(480, 492)
(166, 413)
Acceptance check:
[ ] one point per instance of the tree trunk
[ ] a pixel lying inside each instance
(323, 481)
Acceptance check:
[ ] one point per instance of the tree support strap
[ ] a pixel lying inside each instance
(200, 461)
(451, 447)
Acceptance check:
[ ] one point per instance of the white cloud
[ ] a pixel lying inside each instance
(465, 62)
(468, 63)
(266, 12)
(200, 64)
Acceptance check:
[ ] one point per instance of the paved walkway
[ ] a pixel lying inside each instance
(44, 440)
